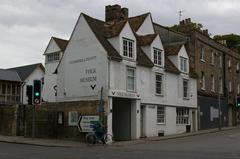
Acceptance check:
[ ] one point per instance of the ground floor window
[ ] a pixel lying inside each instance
(72, 118)
(182, 115)
(160, 114)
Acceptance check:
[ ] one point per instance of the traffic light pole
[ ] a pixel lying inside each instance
(33, 122)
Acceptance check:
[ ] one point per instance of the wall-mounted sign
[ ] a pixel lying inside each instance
(85, 123)
(124, 94)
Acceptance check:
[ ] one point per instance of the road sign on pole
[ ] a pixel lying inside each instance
(85, 123)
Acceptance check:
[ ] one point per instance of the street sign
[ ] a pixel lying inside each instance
(85, 123)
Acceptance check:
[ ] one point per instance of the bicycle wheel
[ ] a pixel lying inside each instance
(90, 139)
(108, 138)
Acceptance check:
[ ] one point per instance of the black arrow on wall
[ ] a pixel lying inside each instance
(93, 86)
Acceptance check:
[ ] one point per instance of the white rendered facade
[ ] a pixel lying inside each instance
(86, 67)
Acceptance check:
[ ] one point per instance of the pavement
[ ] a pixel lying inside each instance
(68, 143)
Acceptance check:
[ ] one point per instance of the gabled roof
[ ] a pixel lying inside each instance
(170, 67)
(113, 28)
(145, 39)
(142, 58)
(137, 21)
(172, 49)
(97, 27)
(62, 43)
(25, 71)
(9, 75)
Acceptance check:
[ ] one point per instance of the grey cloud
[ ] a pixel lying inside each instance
(27, 25)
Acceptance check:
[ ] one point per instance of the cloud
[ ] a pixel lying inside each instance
(27, 25)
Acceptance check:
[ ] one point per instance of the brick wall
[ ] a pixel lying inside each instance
(47, 119)
(8, 118)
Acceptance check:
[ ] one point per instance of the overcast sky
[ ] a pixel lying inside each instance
(27, 25)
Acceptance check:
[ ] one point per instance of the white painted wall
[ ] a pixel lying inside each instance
(50, 79)
(146, 27)
(37, 74)
(83, 53)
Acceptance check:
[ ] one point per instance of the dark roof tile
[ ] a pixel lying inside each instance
(170, 67)
(9, 75)
(172, 49)
(62, 43)
(142, 58)
(25, 71)
(145, 39)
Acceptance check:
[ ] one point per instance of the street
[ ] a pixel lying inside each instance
(220, 145)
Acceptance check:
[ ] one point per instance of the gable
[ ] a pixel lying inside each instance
(146, 27)
(52, 47)
(183, 52)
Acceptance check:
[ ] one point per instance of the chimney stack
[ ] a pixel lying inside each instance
(115, 13)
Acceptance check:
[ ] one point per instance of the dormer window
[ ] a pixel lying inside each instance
(128, 48)
(53, 57)
(183, 64)
(157, 56)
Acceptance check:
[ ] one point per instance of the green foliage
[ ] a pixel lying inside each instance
(232, 40)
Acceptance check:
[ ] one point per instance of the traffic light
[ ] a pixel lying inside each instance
(238, 102)
(37, 91)
(29, 94)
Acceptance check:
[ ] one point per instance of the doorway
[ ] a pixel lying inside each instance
(121, 119)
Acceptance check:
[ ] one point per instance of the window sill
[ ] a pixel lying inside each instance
(202, 60)
(186, 98)
(160, 95)
(203, 89)
(131, 91)
(159, 66)
(161, 123)
(212, 64)
(129, 59)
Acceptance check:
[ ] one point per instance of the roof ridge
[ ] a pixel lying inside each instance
(23, 66)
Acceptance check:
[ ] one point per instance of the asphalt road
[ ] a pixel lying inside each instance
(221, 145)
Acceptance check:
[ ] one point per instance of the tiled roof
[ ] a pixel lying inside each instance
(137, 21)
(113, 28)
(25, 71)
(62, 43)
(97, 27)
(9, 75)
(170, 67)
(172, 49)
(146, 39)
(142, 58)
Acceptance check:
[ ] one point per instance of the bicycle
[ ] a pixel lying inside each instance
(92, 138)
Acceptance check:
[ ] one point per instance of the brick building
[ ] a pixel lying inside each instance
(217, 68)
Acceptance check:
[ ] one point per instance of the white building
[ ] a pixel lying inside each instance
(149, 89)
(53, 54)
(28, 74)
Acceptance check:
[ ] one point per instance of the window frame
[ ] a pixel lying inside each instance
(134, 78)
(161, 116)
(212, 58)
(156, 61)
(220, 61)
(161, 83)
(203, 86)
(71, 116)
(187, 93)
(127, 48)
(212, 83)
(229, 86)
(221, 85)
(52, 57)
(184, 65)
(202, 54)
(182, 116)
